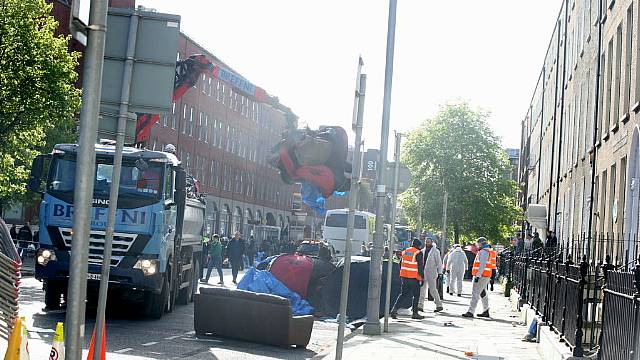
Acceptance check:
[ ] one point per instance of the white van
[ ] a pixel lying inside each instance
(334, 230)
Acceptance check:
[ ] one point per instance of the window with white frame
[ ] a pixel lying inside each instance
(185, 112)
(206, 128)
(200, 126)
(191, 111)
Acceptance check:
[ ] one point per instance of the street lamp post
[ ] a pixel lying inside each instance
(372, 326)
(396, 170)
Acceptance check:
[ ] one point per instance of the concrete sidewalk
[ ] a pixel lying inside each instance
(447, 335)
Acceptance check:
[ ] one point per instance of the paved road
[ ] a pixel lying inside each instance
(131, 336)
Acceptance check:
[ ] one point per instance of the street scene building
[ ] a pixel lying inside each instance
(580, 133)
(137, 164)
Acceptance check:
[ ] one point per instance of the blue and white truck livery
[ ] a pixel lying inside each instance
(157, 244)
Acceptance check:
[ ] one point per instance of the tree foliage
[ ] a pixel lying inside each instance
(457, 152)
(38, 100)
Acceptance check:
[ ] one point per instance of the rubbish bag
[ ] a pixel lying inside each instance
(264, 282)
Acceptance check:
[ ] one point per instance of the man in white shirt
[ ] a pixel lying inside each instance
(432, 274)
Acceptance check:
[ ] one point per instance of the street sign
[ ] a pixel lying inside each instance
(404, 177)
(154, 66)
(79, 20)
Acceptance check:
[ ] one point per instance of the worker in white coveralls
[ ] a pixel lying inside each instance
(457, 265)
(483, 266)
(432, 274)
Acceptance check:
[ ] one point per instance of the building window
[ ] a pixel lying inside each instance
(206, 128)
(628, 51)
(191, 121)
(233, 140)
(235, 101)
(618, 73)
(219, 91)
(600, 98)
(155, 145)
(184, 118)
(608, 87)
(612, 195)
(227, 142)
(230, 98)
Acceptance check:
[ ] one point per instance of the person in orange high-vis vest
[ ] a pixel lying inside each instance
(412, 277)
(483, 266)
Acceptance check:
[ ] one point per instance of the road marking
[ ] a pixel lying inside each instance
(123, 350)
(192, 332)
(172, 337)
(150, 343)
(200, 339)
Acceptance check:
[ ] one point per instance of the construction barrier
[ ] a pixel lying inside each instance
(10, 266)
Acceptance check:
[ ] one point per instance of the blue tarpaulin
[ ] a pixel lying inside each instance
(312, 196)
(264, 282)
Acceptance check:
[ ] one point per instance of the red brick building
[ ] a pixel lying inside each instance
(223, 137)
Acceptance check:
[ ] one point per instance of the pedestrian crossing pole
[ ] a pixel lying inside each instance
(358, 112)
(372, 326)
(396, 170)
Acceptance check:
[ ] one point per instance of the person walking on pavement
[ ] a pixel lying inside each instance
(411, 275)
(215, 260)
(432, 274)
(447, 276)
(457, 265)
(235, 252)
(251, 252)
(205, 253)
(483, 266)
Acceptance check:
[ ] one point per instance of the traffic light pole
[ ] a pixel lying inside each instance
(396, 171)
(85, 174)
(372, 326)
(353, 198)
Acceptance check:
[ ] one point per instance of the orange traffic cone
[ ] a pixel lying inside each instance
(103, 348)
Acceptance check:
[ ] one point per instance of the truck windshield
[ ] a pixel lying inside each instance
(135, 183)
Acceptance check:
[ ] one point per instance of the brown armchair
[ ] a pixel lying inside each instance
(250, 316)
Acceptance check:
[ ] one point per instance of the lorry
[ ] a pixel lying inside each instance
(157, 243)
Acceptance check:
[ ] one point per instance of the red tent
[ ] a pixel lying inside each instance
(294, 271)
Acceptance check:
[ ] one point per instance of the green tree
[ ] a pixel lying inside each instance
(38, 100)
(457, 152)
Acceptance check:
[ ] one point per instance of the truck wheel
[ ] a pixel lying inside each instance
(155, 303)
(172, 293)
(52, 296)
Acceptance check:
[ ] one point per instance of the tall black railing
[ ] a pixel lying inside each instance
(587, 290)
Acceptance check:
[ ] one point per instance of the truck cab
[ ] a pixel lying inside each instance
(157, 240)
